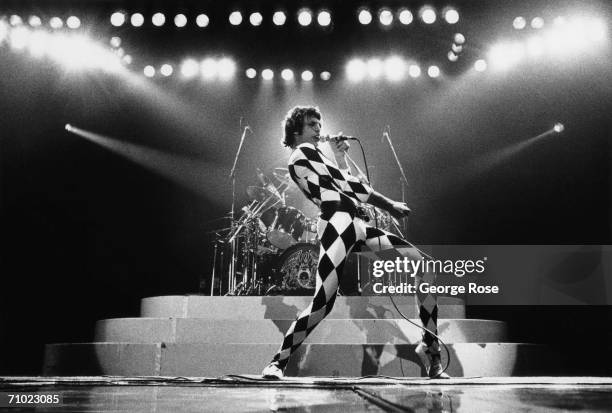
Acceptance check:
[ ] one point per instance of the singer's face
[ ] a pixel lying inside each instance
(310, 130)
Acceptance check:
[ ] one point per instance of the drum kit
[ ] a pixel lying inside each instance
(272, 248)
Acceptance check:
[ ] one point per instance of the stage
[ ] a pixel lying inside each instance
(316, 394)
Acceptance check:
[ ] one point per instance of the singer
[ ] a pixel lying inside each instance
(341, 229)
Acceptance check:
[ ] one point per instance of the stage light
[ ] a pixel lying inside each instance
(137, 19)
(519, 23)
(325, 75)
(68, 127)
(452, 56)
(414, 71)
(115, 41)
(73, 22)
(158, 19)
(287, 74)
(256, 19)
(190, 68)
(226, 68)
(537, 23)
(80, 52)
(559, 127)
(459, 38)
(385, 17)
(251, 73)
(166, 69)
(149, 71)
(433, 71)
(364, 16)
(451, 15)
(15, 20)
(395, 68)
(304, 17)
(456, 48)
(307, 75)
(279, 18)
(127, 59)
(56, 23)
(235, 18)
(405, 16)
(120, 52)
(480, 65)
(374, 68)
(180, 20)
(428, 15)
(267, 74)
(208, 68)
(117, 19)
(324, 18)
(35, 21)
(19, 38)
(356, 70)
(202, 20)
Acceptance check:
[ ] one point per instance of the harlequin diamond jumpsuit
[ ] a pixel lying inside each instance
(337, 193)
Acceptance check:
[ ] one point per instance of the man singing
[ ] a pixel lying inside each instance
(341, 228)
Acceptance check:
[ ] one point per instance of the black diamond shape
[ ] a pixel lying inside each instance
(329, 236)
(326, 266)
(349, 237)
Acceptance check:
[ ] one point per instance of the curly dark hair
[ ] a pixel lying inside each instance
(294, 122)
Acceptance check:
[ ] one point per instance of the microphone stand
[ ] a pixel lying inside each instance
(232, 175)
(404, 180)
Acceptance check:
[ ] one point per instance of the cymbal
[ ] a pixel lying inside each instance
(257, 193)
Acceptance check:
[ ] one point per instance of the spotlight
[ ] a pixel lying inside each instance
(385, 17)
(356, 70)
(226, 68)
(251, 73)
(127, 59)
(433, 71)
(287, 74)
(395, 68)
(115, 41)
(267, 74)
(190, 68)
(480, 65)
(149, 71)
(537, 23)
(68, 127)
(452, 56)
(34, 21)
(451, 16)
(117, 19)
(158, 19)
(279, 18)
(137, 19)
(324, 18)
(73, 22)
(405, 16)
(15, 20)
(235, 18)
(202, 20)
(414, 71)
(559, 127)
(364, 16)
(519, 23)
(166, 70)
(374, 68)
(56, 23)
(307, 75)
(256, 18)
(428, 15)
(304, 17)
(208, 68)
(459, 38)
(456, 48)
(325, 75)
(180, 20)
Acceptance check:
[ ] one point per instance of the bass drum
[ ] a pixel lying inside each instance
(297, 269)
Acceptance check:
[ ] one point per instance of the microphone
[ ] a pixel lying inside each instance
(336, 138)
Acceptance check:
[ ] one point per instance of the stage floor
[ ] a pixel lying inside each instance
(249, 394)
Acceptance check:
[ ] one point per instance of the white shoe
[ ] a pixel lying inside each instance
(272, 372)
(432, 363)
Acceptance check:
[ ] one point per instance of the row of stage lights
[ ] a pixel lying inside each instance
(305, 17)
(72, 22)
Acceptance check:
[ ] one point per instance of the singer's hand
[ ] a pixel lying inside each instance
(400, 210)
(339, 147)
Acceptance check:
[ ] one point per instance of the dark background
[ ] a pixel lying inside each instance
(88, 231)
